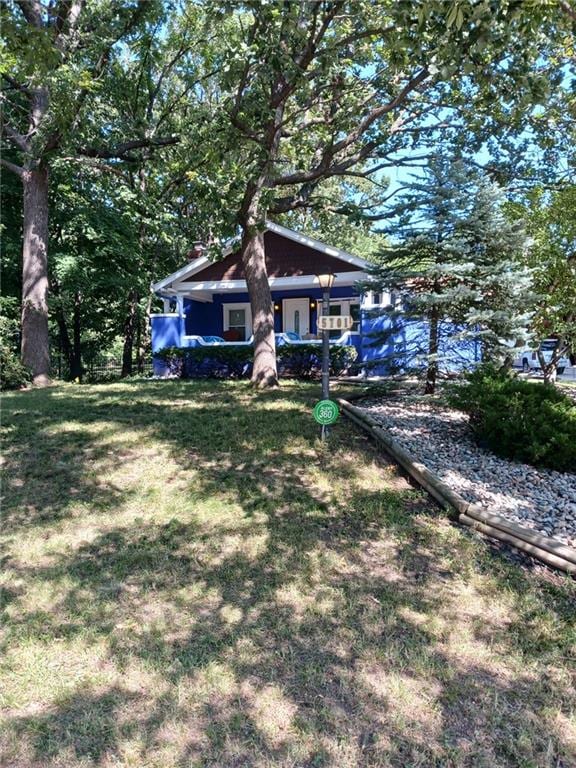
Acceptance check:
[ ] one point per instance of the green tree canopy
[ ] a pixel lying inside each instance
(551, 224)
(304, 92)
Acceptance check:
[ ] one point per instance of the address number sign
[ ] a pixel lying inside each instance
(335, 322)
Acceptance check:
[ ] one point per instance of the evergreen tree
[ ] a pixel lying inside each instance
(456, 273)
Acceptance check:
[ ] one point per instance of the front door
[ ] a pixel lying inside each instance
(296, 316)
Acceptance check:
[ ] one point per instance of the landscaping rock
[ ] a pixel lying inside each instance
(541, 499)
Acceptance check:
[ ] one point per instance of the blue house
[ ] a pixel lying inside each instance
(206, 305)
(206, 302)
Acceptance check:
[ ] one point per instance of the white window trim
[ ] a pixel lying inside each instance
(240, 305)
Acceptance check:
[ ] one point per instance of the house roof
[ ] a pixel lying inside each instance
(287, 257)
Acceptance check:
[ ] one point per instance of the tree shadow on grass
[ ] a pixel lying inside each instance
(310, 626)
(83, 728)
(344, 662)
(50, 469)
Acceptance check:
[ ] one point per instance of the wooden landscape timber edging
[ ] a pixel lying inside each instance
(547, 549)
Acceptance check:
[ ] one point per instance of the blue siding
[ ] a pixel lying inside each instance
(202, 318)
(166, 331)
(207, 319)
(405, 343)
(373, 351)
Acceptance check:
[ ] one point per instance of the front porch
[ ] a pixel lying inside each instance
(226, 322)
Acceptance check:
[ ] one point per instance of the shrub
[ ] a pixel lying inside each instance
(520, 420)
(303, 361)
(230, 362)
(13, 374)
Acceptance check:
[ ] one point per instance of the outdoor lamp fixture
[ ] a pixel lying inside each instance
(312, 304)
(326, 282)
(277, 307)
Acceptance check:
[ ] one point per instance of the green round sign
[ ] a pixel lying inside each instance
(326, 412)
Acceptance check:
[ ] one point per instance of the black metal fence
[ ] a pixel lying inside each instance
(101, 368)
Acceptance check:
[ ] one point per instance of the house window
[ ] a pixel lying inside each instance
(376, 299)
(355, 312)
(237, 322)
(237, 319)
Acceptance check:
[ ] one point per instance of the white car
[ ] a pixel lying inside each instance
(528, 358)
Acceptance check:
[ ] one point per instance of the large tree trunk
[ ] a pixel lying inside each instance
(432, 370)
(129, 332)
(264, 373)
(35, 341)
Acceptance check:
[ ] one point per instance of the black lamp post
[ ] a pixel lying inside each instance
(326, 282)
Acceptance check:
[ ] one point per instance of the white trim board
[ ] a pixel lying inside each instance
(188, 269)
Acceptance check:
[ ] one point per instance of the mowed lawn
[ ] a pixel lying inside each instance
(191, 579)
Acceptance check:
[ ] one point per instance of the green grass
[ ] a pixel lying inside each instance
(191, 579)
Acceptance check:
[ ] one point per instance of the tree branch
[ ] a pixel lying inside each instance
(67, 11)
(17, 138)
(121, 151)
(568, 9)
(327, 166)
(95, 165)
(54, 139)
(67, 16)
(17, 169)
(15, 84)
(307, 55)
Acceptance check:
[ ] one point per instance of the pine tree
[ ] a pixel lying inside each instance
(456, 272)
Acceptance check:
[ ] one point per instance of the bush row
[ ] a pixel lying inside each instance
(303, 361)
(521, 420)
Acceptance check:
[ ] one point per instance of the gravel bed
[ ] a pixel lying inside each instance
(541, 499)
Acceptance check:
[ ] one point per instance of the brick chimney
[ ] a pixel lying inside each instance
(198, 249)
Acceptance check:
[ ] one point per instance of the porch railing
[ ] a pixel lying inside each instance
(346, 339)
